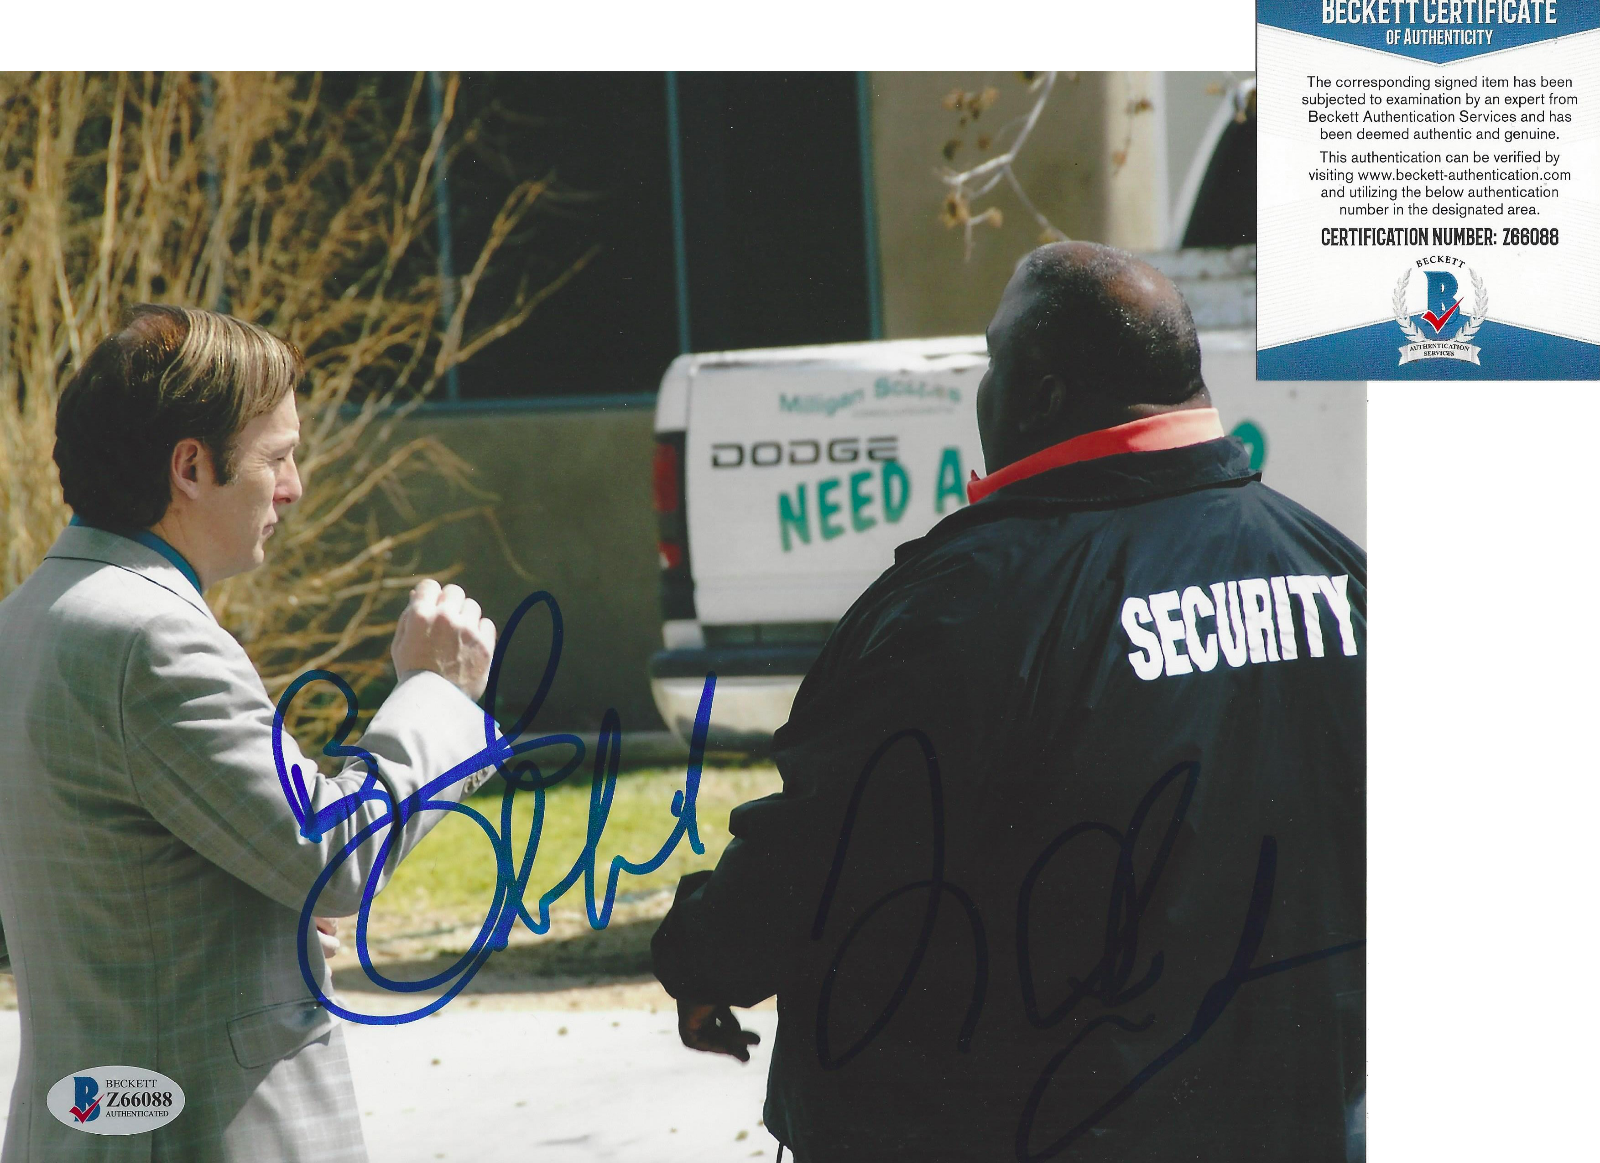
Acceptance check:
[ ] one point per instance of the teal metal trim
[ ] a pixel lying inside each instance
(618, 402)
(869, 206)
(441, 198)
(680, 246)
(216, 283)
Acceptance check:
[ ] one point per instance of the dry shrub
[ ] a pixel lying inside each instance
(264, 196)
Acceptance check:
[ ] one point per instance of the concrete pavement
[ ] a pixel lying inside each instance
(542, 1086)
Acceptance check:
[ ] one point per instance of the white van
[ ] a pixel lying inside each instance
(785, 478)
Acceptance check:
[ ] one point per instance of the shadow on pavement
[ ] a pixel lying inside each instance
(619, 951)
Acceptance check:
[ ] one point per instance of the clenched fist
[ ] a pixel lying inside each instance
(444, 631)
(328, 936)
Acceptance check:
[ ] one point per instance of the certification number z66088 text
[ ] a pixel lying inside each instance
(1529, 236)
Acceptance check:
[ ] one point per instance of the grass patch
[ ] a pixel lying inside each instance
(449, 879)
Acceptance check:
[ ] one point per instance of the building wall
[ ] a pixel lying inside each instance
(1069, 168)
(575, 506)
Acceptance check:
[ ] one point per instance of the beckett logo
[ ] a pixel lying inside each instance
(85, 1088)
(1451, 332)
(115, 1100)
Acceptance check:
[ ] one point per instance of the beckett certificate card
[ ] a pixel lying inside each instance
(1428, 190)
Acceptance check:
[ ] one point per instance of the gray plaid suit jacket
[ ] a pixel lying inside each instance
(152, 874)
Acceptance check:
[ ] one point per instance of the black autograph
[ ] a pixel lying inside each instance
(1109, 981)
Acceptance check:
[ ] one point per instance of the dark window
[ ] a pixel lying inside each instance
(773, 220)
(601, 138)
(772, 209)
(1225, 207)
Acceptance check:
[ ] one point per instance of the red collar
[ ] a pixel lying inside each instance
(1152, 434)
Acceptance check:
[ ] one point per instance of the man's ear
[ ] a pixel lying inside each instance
(1050, 405)
(191, 464)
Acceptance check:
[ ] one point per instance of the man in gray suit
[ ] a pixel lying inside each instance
(152, 873)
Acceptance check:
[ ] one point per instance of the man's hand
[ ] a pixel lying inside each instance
(328, 936)
(713, 1028)
(444, 631)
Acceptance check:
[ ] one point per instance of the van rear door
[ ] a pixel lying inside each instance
(803, 476)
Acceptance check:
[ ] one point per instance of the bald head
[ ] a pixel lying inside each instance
(1086, 336)
(1099, 316)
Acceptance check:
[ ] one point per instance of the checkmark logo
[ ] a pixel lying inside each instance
(84, 1115)
(1438, 322)
(81, 1101)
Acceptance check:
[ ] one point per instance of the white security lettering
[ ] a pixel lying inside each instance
(1163, 606)
(1304, 587)
(1147, 659)
(1335, 590)
(1285, 612)
(1230, 622)
(1195, 605)
(1256, 597)
(1251, 621)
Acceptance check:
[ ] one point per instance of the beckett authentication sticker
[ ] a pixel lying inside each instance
(115, 1100)
(1426, 189)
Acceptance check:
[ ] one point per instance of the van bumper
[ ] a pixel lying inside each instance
(755, 689)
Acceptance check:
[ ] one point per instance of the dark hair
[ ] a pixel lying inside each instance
(170, 374)
(1087, 327)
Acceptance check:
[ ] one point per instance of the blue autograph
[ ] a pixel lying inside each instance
(511, 881)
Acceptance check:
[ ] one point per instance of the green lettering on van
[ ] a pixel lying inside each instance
(950, 480)
(1255, 442)
(793, 517)
(826, 509)
(859, 501)
(895, 508)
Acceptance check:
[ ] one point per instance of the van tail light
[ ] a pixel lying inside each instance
(664, 477)
(672, 527)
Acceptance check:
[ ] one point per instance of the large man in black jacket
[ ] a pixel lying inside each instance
(1069, 857)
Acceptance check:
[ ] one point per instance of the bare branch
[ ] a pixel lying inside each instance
(317, 228)
(965, 187)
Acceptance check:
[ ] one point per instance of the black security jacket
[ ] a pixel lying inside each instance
(1039, 887)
